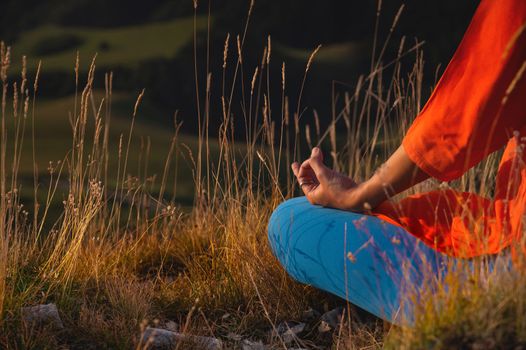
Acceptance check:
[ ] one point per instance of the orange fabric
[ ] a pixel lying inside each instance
(477, 107)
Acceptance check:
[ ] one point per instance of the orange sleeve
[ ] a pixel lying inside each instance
(477, 104)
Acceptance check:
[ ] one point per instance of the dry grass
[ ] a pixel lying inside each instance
(121, 258)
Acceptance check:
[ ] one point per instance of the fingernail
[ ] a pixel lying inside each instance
(315, 151)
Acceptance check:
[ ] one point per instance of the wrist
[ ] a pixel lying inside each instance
(365, 196)
(354, 198)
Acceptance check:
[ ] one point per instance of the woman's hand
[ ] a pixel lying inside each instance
(324, 186)
(329, 188)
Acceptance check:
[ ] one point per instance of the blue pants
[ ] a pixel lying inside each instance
(369, 262)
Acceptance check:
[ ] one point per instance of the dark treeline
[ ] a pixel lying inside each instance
(293, 23)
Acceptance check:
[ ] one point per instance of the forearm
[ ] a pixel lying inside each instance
(397, 174)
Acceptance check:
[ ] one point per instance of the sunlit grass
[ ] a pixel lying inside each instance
(122, 253)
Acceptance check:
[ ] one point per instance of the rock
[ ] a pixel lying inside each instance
(324, 327)
(45, 315)
(171, 326)
(250, 345)
(333, 318)
(157, 338)
(292, 333)
(288, 331)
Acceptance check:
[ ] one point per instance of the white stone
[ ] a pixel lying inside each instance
(171, 326)
(156, 338)
(333, 318)
(288, 331)
(290, 334)
(323, 327)
(45, 315)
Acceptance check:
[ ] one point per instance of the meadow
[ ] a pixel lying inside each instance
(159, 229)
(59, 46)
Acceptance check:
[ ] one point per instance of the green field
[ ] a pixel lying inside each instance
(53, 142)
(125, 46)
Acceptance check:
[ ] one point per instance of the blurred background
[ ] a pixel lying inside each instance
(149, 44)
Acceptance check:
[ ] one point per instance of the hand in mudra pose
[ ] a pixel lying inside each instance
(324, 186)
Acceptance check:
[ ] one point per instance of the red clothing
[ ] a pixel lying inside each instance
(478, 106)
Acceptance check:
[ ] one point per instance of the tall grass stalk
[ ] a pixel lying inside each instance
(124, 254)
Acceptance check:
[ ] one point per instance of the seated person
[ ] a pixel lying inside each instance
(371, 259)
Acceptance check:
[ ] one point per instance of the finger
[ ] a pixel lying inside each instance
(295, 168)
(305, 168)
(316, 152)
(306, 174)
(308, 189)
(316, 163)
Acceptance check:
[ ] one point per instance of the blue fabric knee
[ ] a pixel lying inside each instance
(369, 262)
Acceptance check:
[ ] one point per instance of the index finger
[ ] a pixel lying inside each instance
(295, 168)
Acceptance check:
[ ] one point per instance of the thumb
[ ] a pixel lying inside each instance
(316, 163)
